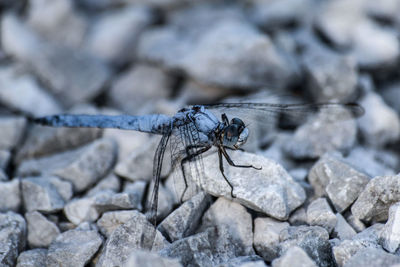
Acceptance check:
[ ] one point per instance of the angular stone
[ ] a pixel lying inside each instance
(319, 213)
(369, 238)
(139, 164)
(74, 248)
(270, 190)
(41, 231)
(354, 29)
(115, 33)
(110, 220)
(380, 124)
(266, 237)
(376, 198)
(32, 258)
(373, 257)
(216, 244)
(319, 134)
(391, 232)
(40, 194)
(136, 233)
(234, 218)
(312, 239)
(277, 13)
(81, 210)
(244, 261)
(355, 223)
(342, 229)
(330, 76)
(10, 195)
(12, 237)
(255, 62)
(73, 75)
(107, 201)
(12, 131)
(298, 217)
(3, 176)
(57, 21)
(294, 255)
(64, 188)
(333, 177)
(36, 101)
(184, 220)
(136, 90)
(110, 183)
(82, 167)
(43, 140)
(140, 258)
(5, 156)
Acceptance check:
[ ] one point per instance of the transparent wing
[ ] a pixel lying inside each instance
(261, 118)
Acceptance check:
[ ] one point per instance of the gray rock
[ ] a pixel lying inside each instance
(252, 63)
(266, 237)
(110, 220)
(244, 261)
(294, 255)
(235, 220)
(139, 164)
(380, 124)
(10, 195)
(166, 200)
(114, 34)
(82, 167)
(15, 83)
(355, 223)
(333, 177)
(80, 77)
(184, 220)
(391, 95)
(32, 258)
(270, 190)
(148, 259)
(5, 156)
(369, 238)
(330, 76)
(38, 193)
(81, 210)
(319, 134)
(319, 213)
(373, 257)
(12, 237)
(368, 161)
(312, 239)
(47, 140)
(74, 248)
(136, 90)
(216, 244)
(57, 21)
(341, 28)
(3, 176)
(41, 231)
(374, 201)
(136, 233)
(390, 234)
(64, 188)
(342, 229)
(273, 14)
(107, 201)
(110, 183)
(12, 131)
(298, 217)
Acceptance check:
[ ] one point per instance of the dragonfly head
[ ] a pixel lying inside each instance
(235, 134)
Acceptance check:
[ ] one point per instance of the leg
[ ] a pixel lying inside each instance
(189, 157)
(221, 168)
(230, 161)
(225, 119)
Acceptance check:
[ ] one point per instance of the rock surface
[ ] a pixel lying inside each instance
(319, 213)
(12, 237)
(41, 231)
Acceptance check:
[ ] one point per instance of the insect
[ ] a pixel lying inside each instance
(193, 131)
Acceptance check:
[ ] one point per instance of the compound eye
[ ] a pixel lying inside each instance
(239, 123)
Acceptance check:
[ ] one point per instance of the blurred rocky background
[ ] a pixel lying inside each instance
(328, 195)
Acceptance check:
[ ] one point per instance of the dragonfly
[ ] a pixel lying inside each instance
(194, 130)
